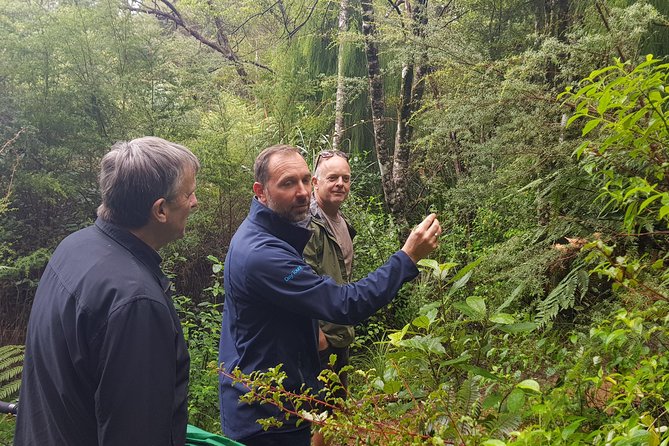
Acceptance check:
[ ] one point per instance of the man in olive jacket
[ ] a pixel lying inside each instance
(330, 250)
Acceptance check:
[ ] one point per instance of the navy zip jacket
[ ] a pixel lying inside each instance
(106, 362)
(273, 301)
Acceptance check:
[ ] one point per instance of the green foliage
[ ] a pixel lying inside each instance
(201, 324)
(11, 364)
(564, 296)
(522, 349)
(625, 113)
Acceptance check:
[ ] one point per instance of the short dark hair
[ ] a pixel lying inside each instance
(261, 165)
(134, 174)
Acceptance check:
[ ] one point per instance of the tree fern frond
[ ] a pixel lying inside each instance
(10, 390)
(11, 365)
(10, 374)
(7, 351)
(563, 296)
(8, 362)
(467, 395)
(504, 424)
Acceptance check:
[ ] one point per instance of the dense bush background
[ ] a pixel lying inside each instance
(538, 131)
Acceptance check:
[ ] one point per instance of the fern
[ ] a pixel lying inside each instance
(504, 424)
(563, 296)
(11, 365)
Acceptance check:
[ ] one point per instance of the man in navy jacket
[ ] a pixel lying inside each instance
(273, 299)
(106, 362)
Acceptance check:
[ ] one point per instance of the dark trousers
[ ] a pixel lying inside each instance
(301, 437)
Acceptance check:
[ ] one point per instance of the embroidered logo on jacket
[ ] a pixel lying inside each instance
(293, 273)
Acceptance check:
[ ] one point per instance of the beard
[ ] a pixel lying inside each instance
(290, 212)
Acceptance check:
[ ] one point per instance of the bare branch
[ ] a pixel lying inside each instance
(304, 22)
(253, 16)
(223, 49)
(6, 145)
(600, 11)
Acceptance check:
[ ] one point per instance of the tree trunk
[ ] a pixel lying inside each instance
(377, 102)
(539, 16)
(411, 95)
(341, 93)
(402, 150)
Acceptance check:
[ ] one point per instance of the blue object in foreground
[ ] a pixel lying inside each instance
(198, 437)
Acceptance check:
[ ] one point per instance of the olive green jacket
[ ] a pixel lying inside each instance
(324, 255)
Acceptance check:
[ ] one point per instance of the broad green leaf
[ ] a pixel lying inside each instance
(477, 303)
(421, 322)
(664, 210)
(648, 201)
(569, 430)
(467, 311)
(428, 344)
(630, 216)
(478, 371)
(460, 283)
(445, 268)
(396, 337)
(468, 267)
(509, 300)
(429, 264)
(575, 116)
(581, 148)
(216, 268)
(603, 103)
(459, 360)
(529, 384)
(493, 443)
(520, 327)
(391, 387)
(515, 400)
(589, 126)
(502, 318)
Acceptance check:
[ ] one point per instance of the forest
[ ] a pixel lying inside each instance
(537, 131)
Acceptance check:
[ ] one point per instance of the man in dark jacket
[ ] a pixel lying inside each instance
(106, 362)
(273, 299)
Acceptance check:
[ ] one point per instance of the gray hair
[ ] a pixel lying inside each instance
(134, 174)
(261, 165)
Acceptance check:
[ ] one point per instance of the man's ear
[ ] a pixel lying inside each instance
(159, 211)
(314, 181)
(259, 192)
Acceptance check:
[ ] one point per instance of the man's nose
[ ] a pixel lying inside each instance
(304, 189)
(193, 203)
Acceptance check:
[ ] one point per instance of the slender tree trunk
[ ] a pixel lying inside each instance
(341, 93)
(539, 16)
(411, 95)
(377, 101)
(402, 149)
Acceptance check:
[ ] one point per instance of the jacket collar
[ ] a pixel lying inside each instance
(143, 252)
(295, 235)
(317, 217)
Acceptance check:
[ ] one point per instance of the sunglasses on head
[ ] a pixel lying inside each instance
(326, 154)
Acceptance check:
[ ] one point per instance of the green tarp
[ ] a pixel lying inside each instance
(197, 437)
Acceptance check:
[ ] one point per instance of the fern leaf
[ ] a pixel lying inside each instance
(563, 296)
(10, 390)
(10, 374)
